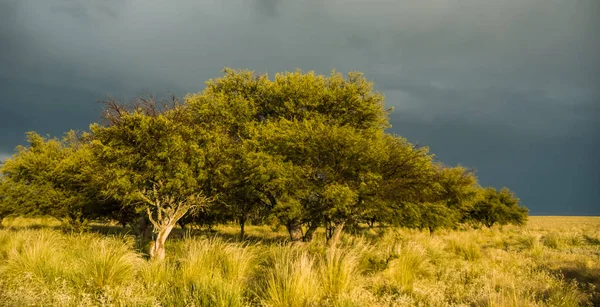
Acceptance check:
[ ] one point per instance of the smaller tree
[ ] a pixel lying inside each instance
(5, 201)
(453, 194)
(434, 216)
(50, 177)
(498, 207)
(154, 158)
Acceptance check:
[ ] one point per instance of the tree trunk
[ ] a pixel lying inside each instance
(295, 231)
(157, 247)
(371, 222)
(308, 236)
(142, 228)
(242, 224)
(328, 231)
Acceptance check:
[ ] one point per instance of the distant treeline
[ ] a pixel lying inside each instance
(301, 151)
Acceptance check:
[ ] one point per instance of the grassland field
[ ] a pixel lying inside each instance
(552, 261)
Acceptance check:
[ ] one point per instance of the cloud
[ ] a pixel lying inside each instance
(547, 45)
(481, 81)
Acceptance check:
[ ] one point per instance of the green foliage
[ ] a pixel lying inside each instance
(301, 150)
(154, 159)
(50, 177)
(498, 207)
(291, 139)
(142, 147)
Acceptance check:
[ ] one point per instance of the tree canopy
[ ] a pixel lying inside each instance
(302, 150)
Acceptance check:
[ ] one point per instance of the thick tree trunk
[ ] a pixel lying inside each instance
(164, 211)
(295, 231)
(308, 236)
(143, 229)
(157, 247)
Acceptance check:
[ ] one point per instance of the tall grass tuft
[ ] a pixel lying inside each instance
(6, 239)
(339, 271)
(532, 242)
(102, 262)
(406, 263)
(38, 256)
(215, 272)
(162, 280)
(467, 250)
(574, 239)
(553, 240)
(288, 278)
(566, 295)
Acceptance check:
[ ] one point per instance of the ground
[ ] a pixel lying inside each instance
(552, 261)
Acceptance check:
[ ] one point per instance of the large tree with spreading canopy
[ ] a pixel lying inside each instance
(302, 149)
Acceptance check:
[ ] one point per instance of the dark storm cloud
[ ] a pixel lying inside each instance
(87, 11)
(507, 87)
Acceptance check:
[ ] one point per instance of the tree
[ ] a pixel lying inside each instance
(50, 177)
(456, 188)
(248, 108)
(407, 182)
(5, 202)
(336, 162)
(498, 207)
(305, 150)
(252, 182)
(154, 159)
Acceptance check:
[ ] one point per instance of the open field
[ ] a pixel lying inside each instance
(552, 261)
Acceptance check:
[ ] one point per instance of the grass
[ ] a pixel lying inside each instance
(552, 261)
(288, 278)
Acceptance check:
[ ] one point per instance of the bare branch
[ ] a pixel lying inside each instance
(152, 220)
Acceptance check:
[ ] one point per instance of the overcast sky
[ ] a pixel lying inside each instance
(510, 87)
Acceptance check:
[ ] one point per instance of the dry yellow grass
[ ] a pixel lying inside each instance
(552, 261)
(568, 223)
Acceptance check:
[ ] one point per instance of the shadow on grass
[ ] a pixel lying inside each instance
(585, 277)
(31, 227)
(591, 240)
(188, 232)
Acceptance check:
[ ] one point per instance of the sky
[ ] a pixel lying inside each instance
(509, 88)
